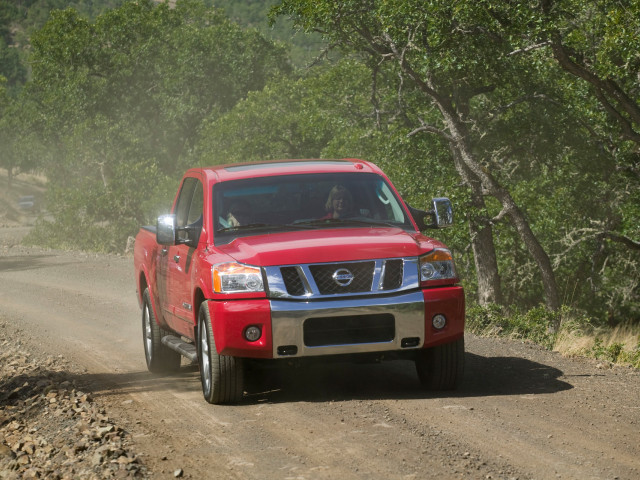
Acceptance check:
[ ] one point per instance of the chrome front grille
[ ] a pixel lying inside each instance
(339, 278)
(392, 276)
(328, 280)
(293, 281)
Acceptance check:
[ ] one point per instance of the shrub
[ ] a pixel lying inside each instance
(615, 353)
(579, 334)
(533, 325)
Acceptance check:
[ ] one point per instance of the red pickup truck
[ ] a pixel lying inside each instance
(297, 260)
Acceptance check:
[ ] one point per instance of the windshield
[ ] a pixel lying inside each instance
(289, 202)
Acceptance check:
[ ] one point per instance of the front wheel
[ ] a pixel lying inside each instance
(222, 376)
(159, 357)
(441, 367)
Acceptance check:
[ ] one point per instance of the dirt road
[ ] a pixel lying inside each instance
(522, 412)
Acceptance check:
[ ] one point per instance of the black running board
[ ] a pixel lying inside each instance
(184, 348)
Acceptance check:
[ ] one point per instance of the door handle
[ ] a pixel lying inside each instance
(176, 258)
(164, 251)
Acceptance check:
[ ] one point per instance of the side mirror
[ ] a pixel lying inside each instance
(166, 231)
(440, 215)
(442, 212)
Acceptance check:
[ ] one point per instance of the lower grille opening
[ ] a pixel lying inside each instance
(349, 330)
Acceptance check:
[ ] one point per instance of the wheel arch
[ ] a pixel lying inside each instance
(198, 300)
(143, 284)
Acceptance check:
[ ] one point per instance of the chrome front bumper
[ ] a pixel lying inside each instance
(288, 319)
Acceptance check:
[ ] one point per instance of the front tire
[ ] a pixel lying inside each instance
(222, 376)
(441, 367)
(159, 357)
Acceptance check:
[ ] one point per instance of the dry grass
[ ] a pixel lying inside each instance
(619, 345)
(579, 335)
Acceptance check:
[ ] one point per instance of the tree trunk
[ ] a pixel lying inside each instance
(459, 141)
(481, 233)
(484, 254)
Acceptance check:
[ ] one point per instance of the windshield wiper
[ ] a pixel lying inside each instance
(249, 226)
(340, 221)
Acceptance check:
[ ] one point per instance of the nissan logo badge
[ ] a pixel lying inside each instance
(342, 277)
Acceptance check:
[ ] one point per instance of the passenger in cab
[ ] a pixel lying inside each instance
(239, 213)
(339, 204)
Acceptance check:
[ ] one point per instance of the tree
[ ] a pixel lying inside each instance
(22, 149)
(304, 49)
(6, 156)
(451, 55)
(122, 100)
(594, 45)
(599, 43)
(290, 118)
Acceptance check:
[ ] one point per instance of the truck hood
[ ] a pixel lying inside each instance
(335, 245)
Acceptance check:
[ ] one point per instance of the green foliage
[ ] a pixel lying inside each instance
(20, 19)
(11, 66)
(303, 48)
(610, 353)
(98, 217)
(631, 358)
(122, 100)
(532, 325)
(548, 137)
(615, 353)
(289, 118)
(22, 149)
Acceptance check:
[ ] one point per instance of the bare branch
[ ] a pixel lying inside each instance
(608, 86)
(404, 66)
(322, 55)
(503, 213)
(580, 235)
(574, 238)
(529, 48)
(374, 94)
(627, 129)
(633, 244)
(425, 127)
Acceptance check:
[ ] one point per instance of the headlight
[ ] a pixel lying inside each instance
(236, 278)
(437, 265)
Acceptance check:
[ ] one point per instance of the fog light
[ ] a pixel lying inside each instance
(439, 322)
(252, 333)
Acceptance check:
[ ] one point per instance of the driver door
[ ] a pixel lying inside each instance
(179, 258)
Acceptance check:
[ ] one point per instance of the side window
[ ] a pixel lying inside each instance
(184, 201)
(390, 208)
(189, 206)
(195, 210)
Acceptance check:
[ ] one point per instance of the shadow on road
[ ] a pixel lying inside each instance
(484, 376)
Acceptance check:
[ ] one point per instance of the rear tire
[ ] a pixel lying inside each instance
(159, 357)
(222, 376)
(441, 367)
